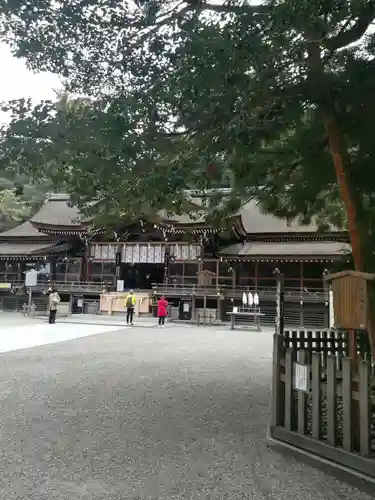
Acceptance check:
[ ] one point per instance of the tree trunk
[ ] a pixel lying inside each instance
(358, 233)
(336, 146)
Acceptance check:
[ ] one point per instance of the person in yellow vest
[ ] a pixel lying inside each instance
(130, 302)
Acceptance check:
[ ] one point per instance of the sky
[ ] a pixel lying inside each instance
(17, 81)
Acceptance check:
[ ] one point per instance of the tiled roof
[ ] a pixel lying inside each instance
(57, 211)
(25, 230)
(253, 220)
(16, 249)
(196, 216)
(288, 249)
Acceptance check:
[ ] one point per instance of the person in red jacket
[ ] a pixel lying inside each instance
(162, 310)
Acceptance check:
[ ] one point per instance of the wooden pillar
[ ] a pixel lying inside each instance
(234, 277)
(193, 308)
(256, 274)
(204, 309)
(301, 307)
(217, 273)
(19, 272)
(53, 262)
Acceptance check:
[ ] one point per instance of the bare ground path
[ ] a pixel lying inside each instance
(145, 413)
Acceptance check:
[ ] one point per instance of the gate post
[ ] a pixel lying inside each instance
(277, 400)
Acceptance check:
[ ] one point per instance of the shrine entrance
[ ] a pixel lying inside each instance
(141, 276)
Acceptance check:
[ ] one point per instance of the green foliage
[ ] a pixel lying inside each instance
(197, 95)
(20, 196)
(12, 210)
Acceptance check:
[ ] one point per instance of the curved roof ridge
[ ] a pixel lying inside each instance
(57, 197)
(24, 230)
(57, 210)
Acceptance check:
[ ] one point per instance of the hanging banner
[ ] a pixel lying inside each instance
(136, 254)
(151, 254)
(145, 253)
(128, 251)
(98, 252)
(158, 254)
(279, 320)
(112, 252)
(105, 252)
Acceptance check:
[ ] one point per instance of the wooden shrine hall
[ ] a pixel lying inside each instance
(171, 250)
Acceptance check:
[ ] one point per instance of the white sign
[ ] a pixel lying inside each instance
(301, 377)
(120, 285)
(80, 303)
(331, 311)
(31, 278)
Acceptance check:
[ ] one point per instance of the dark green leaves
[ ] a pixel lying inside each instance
(177, 88)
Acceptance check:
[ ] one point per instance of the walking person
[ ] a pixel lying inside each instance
(54, 301)
(130, 302)
(162, 310)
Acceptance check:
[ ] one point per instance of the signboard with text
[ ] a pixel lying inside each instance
(31, 278)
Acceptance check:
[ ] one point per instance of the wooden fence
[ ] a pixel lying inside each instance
(323, 402)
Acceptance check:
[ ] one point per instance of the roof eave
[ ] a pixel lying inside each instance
(298, 258)
(309, 235)
(58, 229)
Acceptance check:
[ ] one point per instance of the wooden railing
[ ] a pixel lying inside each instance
(291, 294)
(65, 286)
(321, 401)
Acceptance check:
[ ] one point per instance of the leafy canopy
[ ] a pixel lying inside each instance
(199, 95)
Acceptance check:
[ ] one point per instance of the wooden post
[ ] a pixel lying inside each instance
(302, 399)
(316, 381)
(256, 274)
(193, 308)
(309, 347)
(204, 309)
(364, 409)
(324, 346)
(331, 401)
(288, 420)
(277, 397)
(352, 344)
(347, 406)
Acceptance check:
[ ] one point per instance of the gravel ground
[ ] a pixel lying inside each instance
(145, 413)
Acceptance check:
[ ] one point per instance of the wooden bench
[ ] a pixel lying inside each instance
(252, 314)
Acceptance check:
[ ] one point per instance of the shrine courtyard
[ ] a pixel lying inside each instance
(144, 413)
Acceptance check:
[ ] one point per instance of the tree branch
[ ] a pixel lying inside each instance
(235, 9)
(177, 12)
(348, 36)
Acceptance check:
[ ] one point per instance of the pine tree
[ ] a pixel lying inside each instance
(278, 95)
